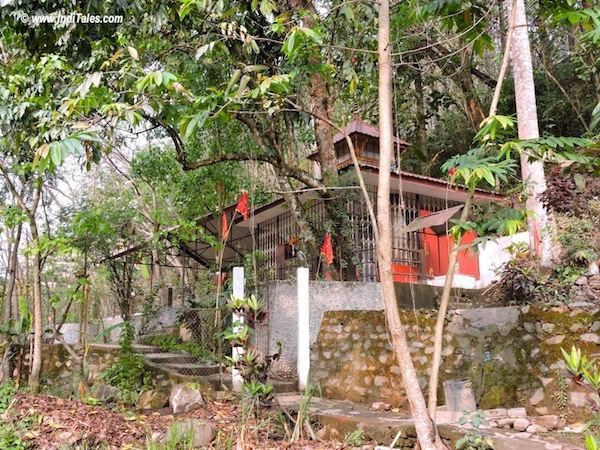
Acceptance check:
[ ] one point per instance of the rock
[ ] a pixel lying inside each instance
(536, 429)
(506, 423)
(517, 413)
(590, 337)
(105, 393)
(578, 399)
(548, 327)
(549, 422)
(541, 411)
(594, 281)
(203, 431)
(329, 433)
(499, 413)
(546, 381)
(521, 424)
(152, 400)
(555, 340)
(184, 398)
(537, 397)
(581, 281)
(381, 406)
(575, 327)
(522, 435)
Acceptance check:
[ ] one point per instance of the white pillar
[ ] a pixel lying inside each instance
(236, 352)
(303, 363)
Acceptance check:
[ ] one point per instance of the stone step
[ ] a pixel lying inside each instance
(138, 348)
(170, 358)
(193, 369)
(144, 349)
(284, 386)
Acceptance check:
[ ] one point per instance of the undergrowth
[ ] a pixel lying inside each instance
(170, 343)
(128, 374)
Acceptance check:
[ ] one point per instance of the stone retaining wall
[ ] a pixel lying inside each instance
(281, 300)
(511, 355)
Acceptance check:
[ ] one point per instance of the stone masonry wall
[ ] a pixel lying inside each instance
(511, 355)
(281, 301)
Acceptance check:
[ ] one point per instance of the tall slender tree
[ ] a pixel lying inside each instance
(426, 432)
(528, 128)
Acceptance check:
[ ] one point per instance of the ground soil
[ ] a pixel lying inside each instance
(53, 422)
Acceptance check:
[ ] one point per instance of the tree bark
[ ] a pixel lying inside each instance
(441, 318)
(9, 311)
(36, 360)
(426, 432)
(532, 172)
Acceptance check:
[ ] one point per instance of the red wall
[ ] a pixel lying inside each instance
(437, 251)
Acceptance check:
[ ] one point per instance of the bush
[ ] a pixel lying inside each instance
(520, 280)
(128, 373)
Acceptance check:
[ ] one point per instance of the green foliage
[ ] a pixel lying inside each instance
(253, 365)
(128, 373)
(579, 238)
(9, 438)
(586, 373)
(355, 438)
(178, 439)
(7, 392)
(170, 343)
(520, 280)
(473, 440)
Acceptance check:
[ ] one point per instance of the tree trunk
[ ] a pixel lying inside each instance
(36, 361)
(9, 311)
(426, 432)
(532, 172)
(441, 318)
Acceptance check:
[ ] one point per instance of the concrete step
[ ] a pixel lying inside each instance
(284, 386)
(193, 369)
(170, 358)
(144, 349)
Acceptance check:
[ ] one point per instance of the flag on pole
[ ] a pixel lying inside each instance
(327, 249)
(242, 205)
(224, 226)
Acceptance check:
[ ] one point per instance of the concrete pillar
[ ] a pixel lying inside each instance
(236, 352)
(303, 364)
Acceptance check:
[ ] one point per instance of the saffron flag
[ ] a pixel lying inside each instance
(327, 249)
(224, 226)
(242, 205)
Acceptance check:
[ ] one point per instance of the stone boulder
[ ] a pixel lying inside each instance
(550, 421)
(185, 398)
(521, 424)
(329, 433)
(105, 393)
(153, 399)
(201, 431)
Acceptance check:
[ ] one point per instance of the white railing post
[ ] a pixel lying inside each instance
(303, 364)
(236, 352)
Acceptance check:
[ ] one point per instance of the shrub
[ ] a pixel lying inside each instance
(570, 193)
(520, 280)
(128, 373)
(355, 438)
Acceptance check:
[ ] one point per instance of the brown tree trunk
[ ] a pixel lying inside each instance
(426, 432)
(9, 311)
(36, 360)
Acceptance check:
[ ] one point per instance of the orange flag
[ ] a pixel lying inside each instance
(224, 227)
(327, 249)
(242, 205)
